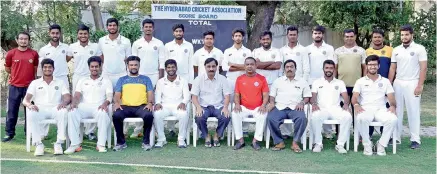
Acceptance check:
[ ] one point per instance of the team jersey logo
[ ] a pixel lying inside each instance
(380, 85)
(273, 56)
(91, 52)
(297, 87)
(140, 47)
(355, 50)
(412, 53)
(56, 87)
(297, 54)
(177, 82)
(30, 60)
(119, 42)
(171, 51)
(256, 84)
(186, 51)
(155, 48)
(383, 52)
(244, 55)
(40, 87)
(100, 83)
(336, 87)
(63, 51)
(324, 52)
(75, 52)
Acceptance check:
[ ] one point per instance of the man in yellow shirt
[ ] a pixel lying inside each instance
(133, 98)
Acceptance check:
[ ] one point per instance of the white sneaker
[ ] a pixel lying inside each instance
(317, 148)
(136, 134)
(340, 149)
(329, 135)
(72, 149)
(101, 149)
(368, 150)
(39, 150)
(380, 150)
(58, 149)
(160, 144)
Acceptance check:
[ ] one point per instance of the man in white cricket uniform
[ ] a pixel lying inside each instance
(295, 51)
(96, 92)
(326, 106)
(207, 51)
(51, 98)
(172, 96)
(57, 51)
(82, 50)
(409, 67)
(370, 104)
(318, 52)
(152, 53)
(268, 58)
(115, 48)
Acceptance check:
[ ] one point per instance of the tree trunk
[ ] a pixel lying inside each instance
(97, 14)
(264, 12)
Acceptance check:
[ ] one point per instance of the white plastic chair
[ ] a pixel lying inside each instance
(290, 121)
(29, 132)
(92, 120)
(196, 130)
(329, 122)
(374, 123)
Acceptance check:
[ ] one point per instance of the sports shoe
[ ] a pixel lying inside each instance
(146, 147)
(239, 145)
(7, 139)
(160, 144)
(120, 147)
(91, 136)
(136, 134)
(368, 150)
(414, 145)
(58, 149)
(340, 149)
(380, 150)
(72, 149)
(329, 135)
(181, 144)
(317, 148)
(390, 142)
(39, 150)
(101, 149)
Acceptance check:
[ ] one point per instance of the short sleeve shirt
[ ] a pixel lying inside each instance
(289, 93)
(407, 60)
(328, 93)
(45, 94)
(251, 90)
(134, 89)
(372, 93)
(211, 92)
(94, 91)
(22, 64)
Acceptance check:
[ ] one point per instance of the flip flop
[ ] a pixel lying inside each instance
(216, 143)
(296, 150)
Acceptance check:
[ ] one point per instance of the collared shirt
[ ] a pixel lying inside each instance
(94, 91)
(58, 55)
(300, 55)
(114, 53)
(202, 54)
(81, 54)
(47, 94)
(237, 56)
(183, 54)
(407, 61)
(211, 92)
(251, 90)
(134, 89)
(349, 64)
(172, 93)
(263, 55)
(289, 93)
(385, 53)
(317, 55)
(22, 64)
(328, 93)
(372, 93)
(152, 55)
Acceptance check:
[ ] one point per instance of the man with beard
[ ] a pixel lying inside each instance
(318, 52)
(133, 98)
(92, 99)
(115, 48)
(409, 67)
(384, 53)
(251, 97)
(288, 96)
(369, 101)
(325, 103)
(172, 97)
(82, 50)
(207, 51)
(47, 98)
(59, 52)
(21, 63)
(268, 59)
(181, 51)
(233, 63)
(152, 51)
(210, 95)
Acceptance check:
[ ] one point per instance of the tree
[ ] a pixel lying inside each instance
(294, 13)
(361, 16)
(97, 14)
(16, 17)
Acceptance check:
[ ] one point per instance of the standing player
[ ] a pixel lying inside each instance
(21, 63)
(268, 58)
(207, 51)
(409, 67)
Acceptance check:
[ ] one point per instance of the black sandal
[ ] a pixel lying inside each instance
(216, 143)
(208, 144)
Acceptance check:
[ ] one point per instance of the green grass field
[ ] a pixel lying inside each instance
(422, 160)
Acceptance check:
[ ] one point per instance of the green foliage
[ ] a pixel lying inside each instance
(128, 27)
(15, 18)
(96, 35)
(294, 13)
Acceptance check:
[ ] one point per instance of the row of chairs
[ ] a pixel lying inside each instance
(230, 133)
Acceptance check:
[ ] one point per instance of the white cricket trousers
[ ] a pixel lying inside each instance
(84, 111)
(47, 112)
(237, 122)
(171, 110)
(388, 119)
(404, 91)
(332, 113)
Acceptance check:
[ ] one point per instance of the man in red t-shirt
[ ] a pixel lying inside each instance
(21, 63)
(251, 97)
